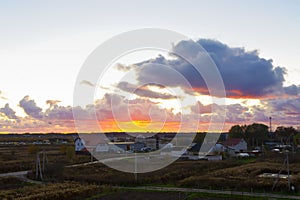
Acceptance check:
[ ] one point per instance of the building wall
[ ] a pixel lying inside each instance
(79, 145)
(102, 148)
(242, 146)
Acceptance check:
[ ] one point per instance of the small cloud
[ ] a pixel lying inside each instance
(88, 83)
(2, 97)
(10, 113)
(124, 68)
(52, 102)
(143, 91)
(30, 107)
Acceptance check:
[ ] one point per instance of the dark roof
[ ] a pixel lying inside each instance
(195, 148)
(232, 141)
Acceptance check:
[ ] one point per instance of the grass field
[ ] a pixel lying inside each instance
(97, 181)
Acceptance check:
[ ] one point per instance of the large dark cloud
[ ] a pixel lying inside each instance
(30, 107)
(244, 73)
(9, 112)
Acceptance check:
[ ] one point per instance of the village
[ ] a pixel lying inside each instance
(224, 147)
(247, 158)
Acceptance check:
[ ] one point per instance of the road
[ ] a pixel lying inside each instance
(195, 190)
(15, 174)
(22, 175)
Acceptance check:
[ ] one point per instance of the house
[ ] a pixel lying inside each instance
(89, 141)
(138, 146)
(212, 154)
(120, 146)
(58, 141)
(152, 143)
(223, 137)
(235, 145)
(79, 145)
(102, 147)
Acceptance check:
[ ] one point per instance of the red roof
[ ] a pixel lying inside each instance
(232, 141)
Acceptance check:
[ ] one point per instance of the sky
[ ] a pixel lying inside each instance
(44, 44)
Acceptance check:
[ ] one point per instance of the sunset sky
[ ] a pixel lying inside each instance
(254, 45)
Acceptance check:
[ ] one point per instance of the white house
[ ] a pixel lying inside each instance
(209, 151)
(236, 144)
(79, 144)
(103, 147)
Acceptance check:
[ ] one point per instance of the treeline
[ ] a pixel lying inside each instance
(258, 133)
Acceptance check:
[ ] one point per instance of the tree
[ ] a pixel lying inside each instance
(297, 139)
(283, 133)
(237, 131)
(254, 133)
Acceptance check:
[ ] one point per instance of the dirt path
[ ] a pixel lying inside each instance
(22, 175)
(194, 190)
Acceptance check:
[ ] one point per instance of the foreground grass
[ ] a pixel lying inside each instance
(223, 196)
(137, 193)
(62, 191)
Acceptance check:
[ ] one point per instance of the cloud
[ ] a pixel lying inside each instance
(124, 68)
(143, 91)
(52, 102)
(285, 106)
(116, 107)
(2, 97)
(199, 108)
(292, 90)
(245, 74)
(234, 112)
(10, 113)
(88, 83)
(30, 107)
(60, 113)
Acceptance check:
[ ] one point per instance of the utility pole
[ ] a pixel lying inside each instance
(271, 134)
(287, 163)
(40, 168)
(288, 170)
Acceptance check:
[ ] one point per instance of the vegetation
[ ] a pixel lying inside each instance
(230, 174)
(23, 157)
(86, 181)
(253, 134)
(11, 183)
(62, 191)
